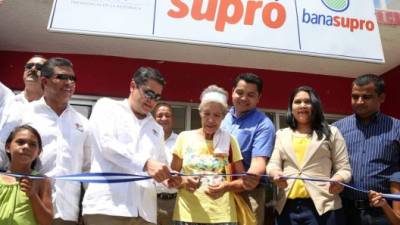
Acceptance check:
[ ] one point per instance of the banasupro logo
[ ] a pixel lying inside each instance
(339, 21)
(337, 5)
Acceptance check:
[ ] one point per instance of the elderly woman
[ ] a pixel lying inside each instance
(309, 148)
(207, 198)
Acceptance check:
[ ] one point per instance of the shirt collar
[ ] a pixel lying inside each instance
(148, 115)
(375, 118)
(244, 115)
(171, 137)
(43, 102)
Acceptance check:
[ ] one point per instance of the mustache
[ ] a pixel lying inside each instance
(33, 75)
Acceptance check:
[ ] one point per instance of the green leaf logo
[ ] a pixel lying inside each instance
(337, 5)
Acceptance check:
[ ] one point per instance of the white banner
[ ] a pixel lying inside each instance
(345, 29)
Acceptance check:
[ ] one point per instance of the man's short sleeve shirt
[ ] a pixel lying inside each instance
(254, 131)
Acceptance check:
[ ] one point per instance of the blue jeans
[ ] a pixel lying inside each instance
(303, 212)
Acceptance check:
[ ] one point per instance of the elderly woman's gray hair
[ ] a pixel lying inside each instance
(215, 94)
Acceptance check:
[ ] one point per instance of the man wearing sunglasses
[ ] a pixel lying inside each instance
(31, 76)
(65, 134)
(127, 139)
(65, 137)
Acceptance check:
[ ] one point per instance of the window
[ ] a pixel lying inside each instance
(387, 4)
(186, 115)
(85, 110)
(195, 118)
(271, 116)
(179, 112)
(83, 104)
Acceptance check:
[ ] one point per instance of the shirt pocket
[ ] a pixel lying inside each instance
(389, 149)
(125, 134)
(244, 139)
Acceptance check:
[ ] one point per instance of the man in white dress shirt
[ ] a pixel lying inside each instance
(166, 196)
(65, 136)
(31, 77)
(6, 97)
(127, 139)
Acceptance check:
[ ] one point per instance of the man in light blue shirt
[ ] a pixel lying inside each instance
(255, 133)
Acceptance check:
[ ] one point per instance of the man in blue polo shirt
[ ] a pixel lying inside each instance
(373, 142)
(255, 134)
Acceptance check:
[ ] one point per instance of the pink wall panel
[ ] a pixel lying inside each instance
(110, 76)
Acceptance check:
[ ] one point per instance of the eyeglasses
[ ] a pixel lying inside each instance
(29, 66)
(65, 77)
(151, 94)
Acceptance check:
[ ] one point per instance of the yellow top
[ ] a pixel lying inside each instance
(198, 158)
(300, 144)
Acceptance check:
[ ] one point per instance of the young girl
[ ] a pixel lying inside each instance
(377, 200)
(24, 201)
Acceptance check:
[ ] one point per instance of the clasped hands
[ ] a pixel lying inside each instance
(213, 190)
(216, 188)
(192, 183)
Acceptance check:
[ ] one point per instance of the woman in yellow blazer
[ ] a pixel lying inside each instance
(309, 148)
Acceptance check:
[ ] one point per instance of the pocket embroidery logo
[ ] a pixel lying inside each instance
(79, 127)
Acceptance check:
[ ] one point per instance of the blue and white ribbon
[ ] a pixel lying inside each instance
(88, 177)
(107, 178)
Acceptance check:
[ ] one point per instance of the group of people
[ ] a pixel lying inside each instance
(41, 133)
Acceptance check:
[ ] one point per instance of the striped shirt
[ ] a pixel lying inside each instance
(374, 152)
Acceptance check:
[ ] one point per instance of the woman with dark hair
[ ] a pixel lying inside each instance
(24, 201)
(309, 148)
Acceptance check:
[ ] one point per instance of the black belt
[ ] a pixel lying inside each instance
(357, 204)
(299, 201)
(166, 196)
(361, 204)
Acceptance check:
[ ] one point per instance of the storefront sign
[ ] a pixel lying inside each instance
(345, 29)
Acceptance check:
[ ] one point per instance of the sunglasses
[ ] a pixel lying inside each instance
(29, 66)
(151, 95)
(65, 77)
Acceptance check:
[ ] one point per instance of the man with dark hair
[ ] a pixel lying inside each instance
(31, 76)
(165, 196)
(127, 139)
(65, 136)
(32, 91)
(255, 133)
(164, 116)
(373, 142)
